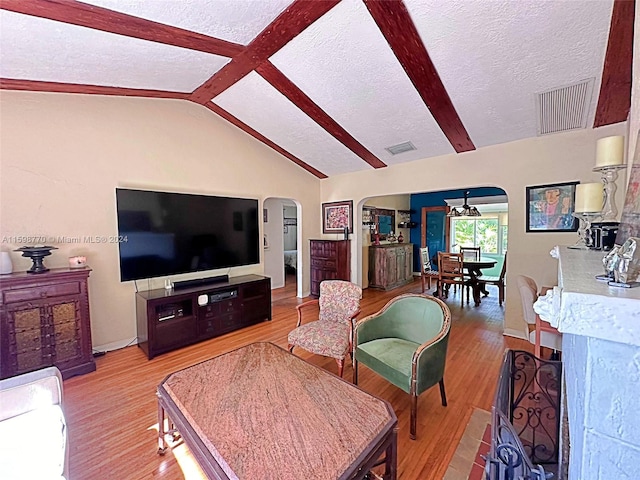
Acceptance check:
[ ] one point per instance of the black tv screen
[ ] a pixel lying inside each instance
(164, 233)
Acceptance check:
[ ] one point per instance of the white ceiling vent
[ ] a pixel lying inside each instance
(563, 109)
(400, 148)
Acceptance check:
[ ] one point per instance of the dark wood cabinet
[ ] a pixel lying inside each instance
(330, 260)
(167, 320)
(390, 265)
(44, 321)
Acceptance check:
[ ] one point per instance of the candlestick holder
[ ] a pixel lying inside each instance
(609, 176)
(584, 229)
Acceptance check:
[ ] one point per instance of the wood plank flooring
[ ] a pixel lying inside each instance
(112, 413)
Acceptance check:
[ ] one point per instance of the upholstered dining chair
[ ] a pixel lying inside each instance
(331, 333)
(451, 272)
(427, 272)
(498, 281)
(541, 333)
(406, 344)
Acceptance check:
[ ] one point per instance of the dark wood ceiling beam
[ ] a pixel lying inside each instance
(396, 25)
(258, 136)
(295, 19)
(90, 16)
(56, 87)
(285, 86)
(614, 100)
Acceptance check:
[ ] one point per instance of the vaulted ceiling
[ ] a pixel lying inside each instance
(332, 84)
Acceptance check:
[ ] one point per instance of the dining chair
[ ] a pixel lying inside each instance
(331, 333)
(451, 272)
(427, 272)
(406, 344)
(470, 253)
(498, 281)
(541, 333)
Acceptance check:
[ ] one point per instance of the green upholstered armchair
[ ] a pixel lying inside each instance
(406, 343)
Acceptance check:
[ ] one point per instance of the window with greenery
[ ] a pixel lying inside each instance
(483, 232)
(505, 235)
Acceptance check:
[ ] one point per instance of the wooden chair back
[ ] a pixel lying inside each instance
(470, 253)
(450, 271)
(426, 261)
(450, 266)
(503, 271)
(427, 269)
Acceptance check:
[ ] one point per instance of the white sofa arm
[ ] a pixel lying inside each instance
(33, 425)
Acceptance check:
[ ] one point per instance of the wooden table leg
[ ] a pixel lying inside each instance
(162, 443)
(391, 458)
(475, 284)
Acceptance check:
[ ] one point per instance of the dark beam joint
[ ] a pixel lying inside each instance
(288, 25)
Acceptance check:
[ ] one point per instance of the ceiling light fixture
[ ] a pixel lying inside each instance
(466, 210)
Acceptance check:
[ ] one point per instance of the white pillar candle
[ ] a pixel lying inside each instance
(589, 197)
(610, 151)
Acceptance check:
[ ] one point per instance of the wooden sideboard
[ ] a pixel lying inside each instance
(44, 319)
(330, 260)
(390, 265)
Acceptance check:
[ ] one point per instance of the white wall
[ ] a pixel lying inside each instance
(62, 156)
(512, 166)
(273, 263)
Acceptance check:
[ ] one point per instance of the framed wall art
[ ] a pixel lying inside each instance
(550, 208)
(336, 216)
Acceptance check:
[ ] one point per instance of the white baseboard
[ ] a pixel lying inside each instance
(108, 347)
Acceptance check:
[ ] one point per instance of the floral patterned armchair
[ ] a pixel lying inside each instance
(332, 331)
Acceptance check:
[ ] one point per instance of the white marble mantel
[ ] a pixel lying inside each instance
(600, 328)
(582, 305)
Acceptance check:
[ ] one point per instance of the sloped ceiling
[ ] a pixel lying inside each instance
(331, 84)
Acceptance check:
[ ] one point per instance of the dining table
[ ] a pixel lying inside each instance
(474, 268)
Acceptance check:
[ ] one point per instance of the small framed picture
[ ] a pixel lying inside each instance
(550, 208)
(336, 216)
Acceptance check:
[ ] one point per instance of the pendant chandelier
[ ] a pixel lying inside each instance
(466, 210)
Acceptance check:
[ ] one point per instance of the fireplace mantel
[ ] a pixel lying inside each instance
(601, 357)
(582, 305)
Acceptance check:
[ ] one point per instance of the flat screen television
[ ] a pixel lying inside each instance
(163, 233)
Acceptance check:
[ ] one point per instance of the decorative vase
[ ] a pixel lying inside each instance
(6, 267)
(36, 254)
(400, 238)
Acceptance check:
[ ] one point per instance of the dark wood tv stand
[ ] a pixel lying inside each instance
(167, 320)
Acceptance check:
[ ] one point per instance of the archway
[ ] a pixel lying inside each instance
(282, 237)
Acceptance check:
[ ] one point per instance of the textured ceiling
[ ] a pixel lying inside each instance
(327, 83)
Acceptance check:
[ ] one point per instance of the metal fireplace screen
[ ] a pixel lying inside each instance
(525, 418)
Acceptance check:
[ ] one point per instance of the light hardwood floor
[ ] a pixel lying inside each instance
(112, 413)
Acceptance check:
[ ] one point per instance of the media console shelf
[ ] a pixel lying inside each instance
(167, 320)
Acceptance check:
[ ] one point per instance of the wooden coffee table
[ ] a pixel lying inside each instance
(261, 412)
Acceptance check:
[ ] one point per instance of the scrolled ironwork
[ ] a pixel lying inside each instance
(525, 418)
(535, 404)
